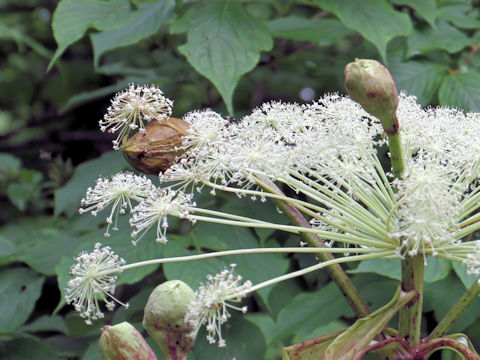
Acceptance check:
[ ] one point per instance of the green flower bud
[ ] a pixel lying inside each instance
(164, 318)
(154, 150)
(370, 84)
(124, 342)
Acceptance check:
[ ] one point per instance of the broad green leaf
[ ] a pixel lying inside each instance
(191, 272)
(244, 341)
(223, 43)
(9, 164)
(266, 211)
(324, 32)
(92, 352)
(46, 323)
(72, 18)
(435, 270)
(38, 254)
(265, 322)
(444, 37)
(27, 348)
(20, 288)
(461, 90)
(440, 296)
(34, 239)
(464, 16)
(375, 20)
(425, 8)
(421, 79)
(253, 267)
(67, 198)
(20, 194)
(8, 250)
(307, 311)
(359, 335)
(281, 295)
(149, 19)
(386, 267)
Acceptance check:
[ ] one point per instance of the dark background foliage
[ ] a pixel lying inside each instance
(62, 61)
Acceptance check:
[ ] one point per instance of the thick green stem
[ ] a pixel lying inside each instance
(411, 314)
(396, 154)
(336, 272)
(447, 322)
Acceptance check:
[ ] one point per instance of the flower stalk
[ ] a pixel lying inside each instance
(335, 271)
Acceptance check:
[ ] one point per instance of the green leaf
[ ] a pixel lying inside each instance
(324, 32)
(46, 323)
(148, 20)
(8, 250)
(461, 90)
(223, 43)
(386, 267)
(444, 37)
(303, 315)
(435, 270)
(67, 198)
(9, 165)
(244, 341)
(38, 254)
(253, 267)
(27, 348)
(421, 79)
(464, 16)
(440, 296)
(358, 336)
(19, 194)
(72, 18)
(266, 211)
(425, 8)
(191, 272)
(19, 290)
(375, 20)
(33, 241)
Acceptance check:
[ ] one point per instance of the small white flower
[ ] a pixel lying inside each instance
(134, 107)
(156, 208)
(119, 191)
(427, 208)
(213, 299)
(94, 282)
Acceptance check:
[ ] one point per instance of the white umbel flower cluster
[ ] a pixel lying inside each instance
(134, 107)
(329, 152)
(119, 191)
(212, 301)
(156, 208)
(94, 281)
